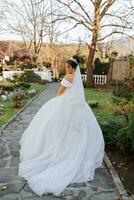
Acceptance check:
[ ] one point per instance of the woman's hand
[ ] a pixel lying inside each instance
(61, 90)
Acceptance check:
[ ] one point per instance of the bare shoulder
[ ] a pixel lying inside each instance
(69, 77)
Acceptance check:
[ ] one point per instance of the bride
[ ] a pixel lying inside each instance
(63, 143)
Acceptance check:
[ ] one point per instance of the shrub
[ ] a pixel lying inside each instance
(126, 89)
(123, 92)
(93, 104)
(83, 70)
(125, 136)
(119, 107)
(32, 92)
(47, 64)
(119, 136)
(26, 66)
(110, 131)
(84, 84)
(8, 87)
(101, 68)
(25, 85)
(17, 99)
(30, 77)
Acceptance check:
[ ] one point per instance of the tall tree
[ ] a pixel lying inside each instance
(53, 33)
(29, 19)
(2, 17)
(102, 18)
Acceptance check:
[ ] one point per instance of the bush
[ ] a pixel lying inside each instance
(124, 92)
(126, 89)
(13, 86)
(110, 131)
(119, 136)
(25, 85)
(25, 66)
(93, 104)
(125, 136)
(10, 62)
(18, 97)
(100, 68)
(30, 77)
(83, 70)
(8, 87)
(84, 83)
(47, 64)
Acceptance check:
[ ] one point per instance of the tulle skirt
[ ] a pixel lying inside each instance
(63, 144)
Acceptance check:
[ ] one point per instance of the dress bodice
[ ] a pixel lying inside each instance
(66, 83)
(70, 94)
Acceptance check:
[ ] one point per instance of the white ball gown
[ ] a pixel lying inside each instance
(63, 143)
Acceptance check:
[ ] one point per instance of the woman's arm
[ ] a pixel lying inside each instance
(61, 90)
(63, 87)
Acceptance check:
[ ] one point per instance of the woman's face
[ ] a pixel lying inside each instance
(69, 69)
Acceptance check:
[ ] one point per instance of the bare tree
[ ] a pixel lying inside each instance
(105, 48)
(29, 19)
(2, 17)
(101, 18)
(53, 33)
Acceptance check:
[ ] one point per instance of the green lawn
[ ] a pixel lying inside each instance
(101, 112)
(37, 86)
(9, 111)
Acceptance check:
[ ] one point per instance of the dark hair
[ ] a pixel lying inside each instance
(77, 58)
(72, 62)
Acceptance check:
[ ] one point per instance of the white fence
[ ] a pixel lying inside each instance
(84, 77)
(9, 74)
(45, 75)
(98, 79)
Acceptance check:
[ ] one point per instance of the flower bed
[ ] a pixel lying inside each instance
(12, 101)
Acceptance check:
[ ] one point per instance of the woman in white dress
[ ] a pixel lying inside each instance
(64, 143)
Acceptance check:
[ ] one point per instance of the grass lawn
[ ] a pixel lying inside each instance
(101, 112)
(9, 111)
(37, 86)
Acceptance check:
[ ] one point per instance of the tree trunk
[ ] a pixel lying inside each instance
(92, 47)
(34, 61)
(89, 65)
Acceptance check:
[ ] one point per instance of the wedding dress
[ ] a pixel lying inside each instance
(63, 143)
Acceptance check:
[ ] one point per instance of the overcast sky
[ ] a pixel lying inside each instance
(71, 36)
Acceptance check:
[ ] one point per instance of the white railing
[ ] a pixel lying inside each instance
(84, 77)
(45, 75)
(9, 74)
(98, 79)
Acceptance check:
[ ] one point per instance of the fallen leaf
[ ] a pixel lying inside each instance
(3, 186)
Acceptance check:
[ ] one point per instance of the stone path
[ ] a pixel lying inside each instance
(16, 188)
